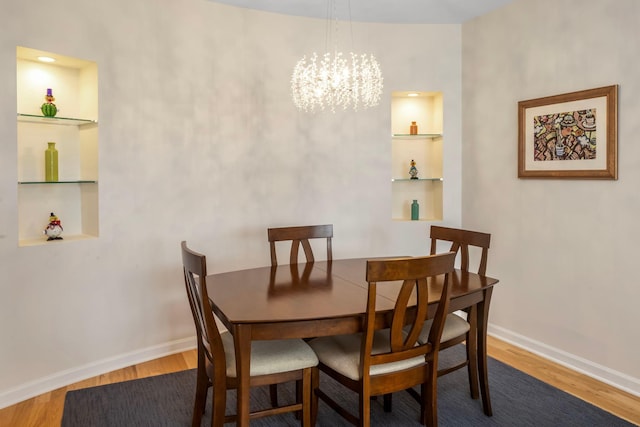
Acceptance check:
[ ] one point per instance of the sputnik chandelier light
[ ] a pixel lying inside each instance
(333, 80)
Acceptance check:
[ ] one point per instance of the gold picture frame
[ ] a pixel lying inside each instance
(569, 136)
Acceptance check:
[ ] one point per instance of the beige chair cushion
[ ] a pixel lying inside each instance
(270, 357)
(454, 326)
(342, 354)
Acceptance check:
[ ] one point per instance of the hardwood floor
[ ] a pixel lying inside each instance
(46, 410)
(613, 400)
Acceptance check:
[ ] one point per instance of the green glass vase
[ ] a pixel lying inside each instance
(51, 163)
(415, 211)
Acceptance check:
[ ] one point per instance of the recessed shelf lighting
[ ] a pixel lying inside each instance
(413, 94)
(46, 59)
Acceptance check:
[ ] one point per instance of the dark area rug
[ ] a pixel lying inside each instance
(166, 401)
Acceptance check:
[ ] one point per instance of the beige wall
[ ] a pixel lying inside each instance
(199, 140)
(565, 251)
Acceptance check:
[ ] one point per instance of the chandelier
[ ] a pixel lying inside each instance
(334, 80)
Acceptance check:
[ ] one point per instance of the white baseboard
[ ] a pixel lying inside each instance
(43, 385)
(70, 376)
(609, 376)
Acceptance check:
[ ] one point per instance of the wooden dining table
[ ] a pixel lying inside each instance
(319, 299)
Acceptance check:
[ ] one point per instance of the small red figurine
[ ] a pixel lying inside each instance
(54, 228)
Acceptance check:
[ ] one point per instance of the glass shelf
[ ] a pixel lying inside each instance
(417, 180)
(66, 238)
(68, 121)
(57, 182)
(420, 135)
(415, 221)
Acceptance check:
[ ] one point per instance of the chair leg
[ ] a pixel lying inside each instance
(365, 409)
(202, 387)
(305, 395)
(387, 402)
(273, 394)
(429, 404)
(218, 404)
(300, 396)
(315, 384)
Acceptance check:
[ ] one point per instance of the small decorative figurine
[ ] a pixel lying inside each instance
(54, 228)
(413, 171)
(413, 129)
(49, 109)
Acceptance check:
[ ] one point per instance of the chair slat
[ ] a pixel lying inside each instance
(300, 236)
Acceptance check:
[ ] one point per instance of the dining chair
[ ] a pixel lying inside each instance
(387, 357)
(457, 329)
(272, 362)
(299, 236)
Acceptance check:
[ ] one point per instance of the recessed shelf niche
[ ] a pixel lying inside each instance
(425, 147)
(74, 129)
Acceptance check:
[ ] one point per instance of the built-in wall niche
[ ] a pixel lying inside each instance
(74, 129)
(416, 134)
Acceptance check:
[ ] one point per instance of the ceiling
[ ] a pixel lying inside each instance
(388, 11)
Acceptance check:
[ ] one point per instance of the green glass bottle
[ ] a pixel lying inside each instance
(51, 163)
(415, 211)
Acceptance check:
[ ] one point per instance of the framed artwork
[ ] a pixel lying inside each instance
(573, 135)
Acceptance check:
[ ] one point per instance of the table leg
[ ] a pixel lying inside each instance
(472, 351)
(242, 342)
(483, 321)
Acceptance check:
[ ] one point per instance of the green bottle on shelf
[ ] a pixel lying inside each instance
(51, 163)
(415, 211)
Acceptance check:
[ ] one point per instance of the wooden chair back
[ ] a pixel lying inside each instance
(407, 321)
(209, 339)
(411, 307)
(299, 236)
(461, 240)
